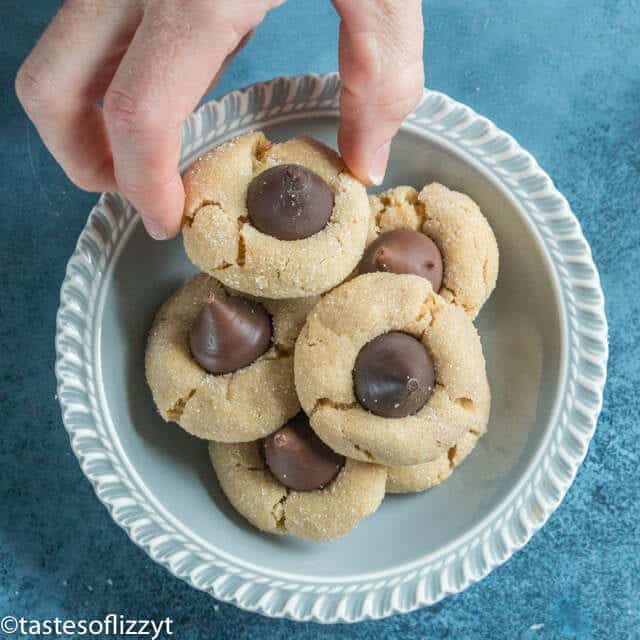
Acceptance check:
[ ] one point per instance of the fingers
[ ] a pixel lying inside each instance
(382, 77)
(133, 144)
(63, 78)
(175, 52)
(227, 61)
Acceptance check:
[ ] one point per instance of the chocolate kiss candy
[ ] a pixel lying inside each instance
(289, 202)
(298, 458)
(393, 375)
(229, 334)
(404, 251)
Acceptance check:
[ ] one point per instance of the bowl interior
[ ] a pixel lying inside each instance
(522, 336)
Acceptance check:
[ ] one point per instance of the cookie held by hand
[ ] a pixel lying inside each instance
(291, 483)
(393, 410)
(438, 234)
(275, 220)
(220, 364)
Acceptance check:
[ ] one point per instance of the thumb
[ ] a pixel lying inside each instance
(382, 77)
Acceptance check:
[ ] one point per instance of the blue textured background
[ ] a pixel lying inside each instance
(564, 78)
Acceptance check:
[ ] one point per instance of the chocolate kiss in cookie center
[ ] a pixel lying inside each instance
(229, 334)
(298, 458)
(405, 251)
(393, 375)
(289, 202)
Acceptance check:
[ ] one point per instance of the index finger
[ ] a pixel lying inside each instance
(165, 72)
(382, 76)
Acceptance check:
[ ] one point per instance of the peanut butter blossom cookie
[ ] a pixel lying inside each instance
(274, 220)
(292, 483)
(221, 364)
(438, 234)
(389, 372)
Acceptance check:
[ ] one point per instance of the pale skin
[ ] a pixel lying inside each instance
(149, 62)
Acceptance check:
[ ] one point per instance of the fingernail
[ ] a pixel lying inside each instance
(378, 165)
(154, 229)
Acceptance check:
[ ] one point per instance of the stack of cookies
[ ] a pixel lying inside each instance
(327, 352)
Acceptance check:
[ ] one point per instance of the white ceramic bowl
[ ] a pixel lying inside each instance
(544, 334)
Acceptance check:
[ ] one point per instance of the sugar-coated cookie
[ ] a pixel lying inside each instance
(274, 220)
(352, 492)
(242, 404)
(356, 404)
(462, 262)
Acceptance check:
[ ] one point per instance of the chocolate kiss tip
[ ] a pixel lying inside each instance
(229, 334)
(289, 202)
(412, 385)
(404, 251)
(297, 457)
(393, 375)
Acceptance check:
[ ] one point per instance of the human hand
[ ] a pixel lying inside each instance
(150, 62)
(382, 77)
